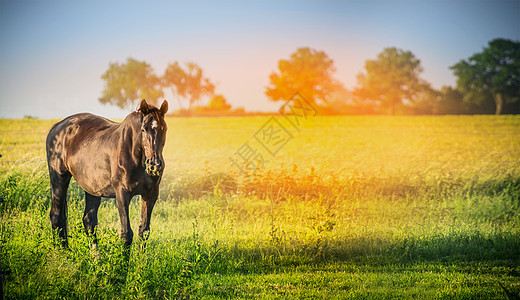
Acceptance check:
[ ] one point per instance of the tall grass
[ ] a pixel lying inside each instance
(361, 207)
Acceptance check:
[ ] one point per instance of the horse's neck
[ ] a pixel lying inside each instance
(131, 142)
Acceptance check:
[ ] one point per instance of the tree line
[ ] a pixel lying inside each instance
(487, 83)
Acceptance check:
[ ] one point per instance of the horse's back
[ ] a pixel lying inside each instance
(69, 134)
(83, 120)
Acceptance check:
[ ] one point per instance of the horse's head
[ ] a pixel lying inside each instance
(153, 136)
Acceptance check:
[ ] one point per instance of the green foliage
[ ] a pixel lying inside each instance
(309, 72)
(127, 83)
(492, 76)
(392, 79)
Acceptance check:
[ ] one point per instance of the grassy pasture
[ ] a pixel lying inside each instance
(350, 207)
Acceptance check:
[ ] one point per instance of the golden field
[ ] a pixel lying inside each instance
(346, 207)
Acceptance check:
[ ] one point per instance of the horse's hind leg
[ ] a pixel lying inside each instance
(90, 219)
(58, 214)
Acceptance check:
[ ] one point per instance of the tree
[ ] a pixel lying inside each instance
(451, 102)
(187, 83)
(307, 71)
(392, 79)
(175, 78)
(219, 103)
(127, 83)
(492, 75)
(426, 102)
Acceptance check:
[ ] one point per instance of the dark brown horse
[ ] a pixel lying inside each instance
(107, 159)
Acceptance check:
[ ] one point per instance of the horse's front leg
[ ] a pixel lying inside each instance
(123, 202)
(148, 202)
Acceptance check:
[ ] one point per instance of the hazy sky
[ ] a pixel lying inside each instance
(52, 53)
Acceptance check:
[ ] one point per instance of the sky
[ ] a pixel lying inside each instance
(53, 53)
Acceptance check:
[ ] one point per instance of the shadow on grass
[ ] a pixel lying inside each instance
(500, 250)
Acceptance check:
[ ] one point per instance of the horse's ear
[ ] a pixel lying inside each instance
(144, 107)
(164, 107)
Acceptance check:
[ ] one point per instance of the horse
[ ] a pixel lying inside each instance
(107, 159)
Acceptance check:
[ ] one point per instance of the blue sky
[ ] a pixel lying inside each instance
(53, 53)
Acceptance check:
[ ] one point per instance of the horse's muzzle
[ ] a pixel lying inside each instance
(154, 167)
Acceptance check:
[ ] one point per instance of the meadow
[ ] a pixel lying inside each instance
(364, 207)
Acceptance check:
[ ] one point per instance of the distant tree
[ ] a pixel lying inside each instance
(426, 102)
(127, 83)
(392, 79)
(451, 102)
(338, 103)
(174, 78)
(219, 103)
(187, 83)
(309, 72)
(492, 75)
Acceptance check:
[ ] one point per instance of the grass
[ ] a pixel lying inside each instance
(351, 207)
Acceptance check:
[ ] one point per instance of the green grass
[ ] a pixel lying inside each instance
(352, 207)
